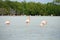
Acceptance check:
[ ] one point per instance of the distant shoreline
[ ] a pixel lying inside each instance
(18, 15)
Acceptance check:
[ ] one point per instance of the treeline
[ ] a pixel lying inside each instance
(8, 7)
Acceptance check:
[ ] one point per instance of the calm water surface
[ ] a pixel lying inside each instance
(19, 30)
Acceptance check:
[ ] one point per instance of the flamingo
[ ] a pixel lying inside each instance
(44, 22)
(28, 19)
(7, 22)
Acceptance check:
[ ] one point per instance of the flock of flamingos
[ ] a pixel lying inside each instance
(43, 23)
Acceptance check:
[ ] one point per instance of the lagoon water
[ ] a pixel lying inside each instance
(19, 30)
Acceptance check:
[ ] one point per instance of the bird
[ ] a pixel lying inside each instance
(43, 23)
(7, 22)
(28, 19)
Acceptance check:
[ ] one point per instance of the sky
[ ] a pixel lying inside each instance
(41, 1)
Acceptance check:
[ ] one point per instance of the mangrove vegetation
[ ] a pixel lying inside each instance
(8, 7)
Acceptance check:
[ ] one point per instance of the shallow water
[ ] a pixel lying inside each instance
(19, 30)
